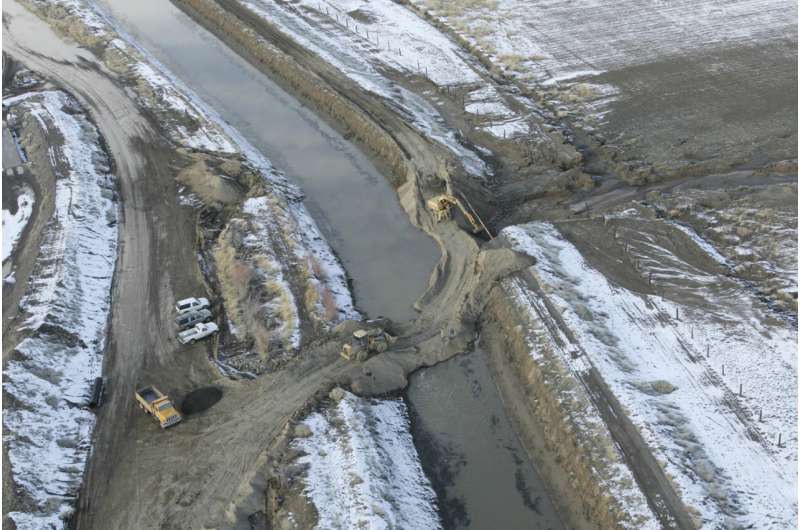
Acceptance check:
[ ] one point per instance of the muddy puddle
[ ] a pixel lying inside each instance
(482, 475)
(388, 259)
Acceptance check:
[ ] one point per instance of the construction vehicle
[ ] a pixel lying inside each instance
(190, 319)
(199, 331)
(189, 305)
(366, 342)
(158, 405)
(442, 205)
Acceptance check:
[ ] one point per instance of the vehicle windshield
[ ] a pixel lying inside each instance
(165, 406)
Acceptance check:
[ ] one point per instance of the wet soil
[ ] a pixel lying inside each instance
(200, 400)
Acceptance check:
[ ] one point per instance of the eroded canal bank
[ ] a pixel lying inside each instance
(388, 260)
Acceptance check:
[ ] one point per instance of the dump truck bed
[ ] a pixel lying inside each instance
(149, 394)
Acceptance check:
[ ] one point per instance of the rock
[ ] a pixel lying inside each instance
(231, 167)
(663, 387)
(337, 394)
(301, 430)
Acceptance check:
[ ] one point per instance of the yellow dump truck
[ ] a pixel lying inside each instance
(153, 402)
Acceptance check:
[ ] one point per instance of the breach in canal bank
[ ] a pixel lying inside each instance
(592, 476)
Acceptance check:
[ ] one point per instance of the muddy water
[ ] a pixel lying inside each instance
(389, 260)
(482, 475)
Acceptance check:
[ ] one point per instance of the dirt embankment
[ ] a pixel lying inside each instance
(546, 403)
(310, 79)
(39, 175)
(524, 167)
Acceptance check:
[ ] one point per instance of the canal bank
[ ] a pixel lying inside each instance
(347, 194)
(388, 259)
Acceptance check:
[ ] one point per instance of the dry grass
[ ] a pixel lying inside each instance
(329, 304)
(316, 268)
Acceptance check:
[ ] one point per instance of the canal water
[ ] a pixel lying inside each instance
(388, 259)
(483, 478)
(481, 473)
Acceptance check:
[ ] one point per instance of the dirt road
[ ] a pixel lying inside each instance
(192, 475)
(155, 260)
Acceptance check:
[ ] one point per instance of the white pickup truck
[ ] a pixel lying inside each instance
(199, 331)
(189, 305)
(188, 320)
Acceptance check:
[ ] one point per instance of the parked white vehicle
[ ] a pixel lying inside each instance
(188, 320)
(199, 331)
(188, 305)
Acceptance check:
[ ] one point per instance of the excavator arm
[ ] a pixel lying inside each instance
(441, 204)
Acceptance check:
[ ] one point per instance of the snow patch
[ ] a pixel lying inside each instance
(47, 428)
(206, 137)
(363, 469)
(726, 465)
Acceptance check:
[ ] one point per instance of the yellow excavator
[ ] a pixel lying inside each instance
(442, 205)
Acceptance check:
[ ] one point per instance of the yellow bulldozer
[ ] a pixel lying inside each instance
(366, 342)
(441, 207)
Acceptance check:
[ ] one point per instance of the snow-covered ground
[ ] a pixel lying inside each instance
(363, 469)
(589, 60)
(395, 36)
(14, 224)
(677, 370)
(550, 41)
(47, 427)
(363, 61)
(547, 344)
